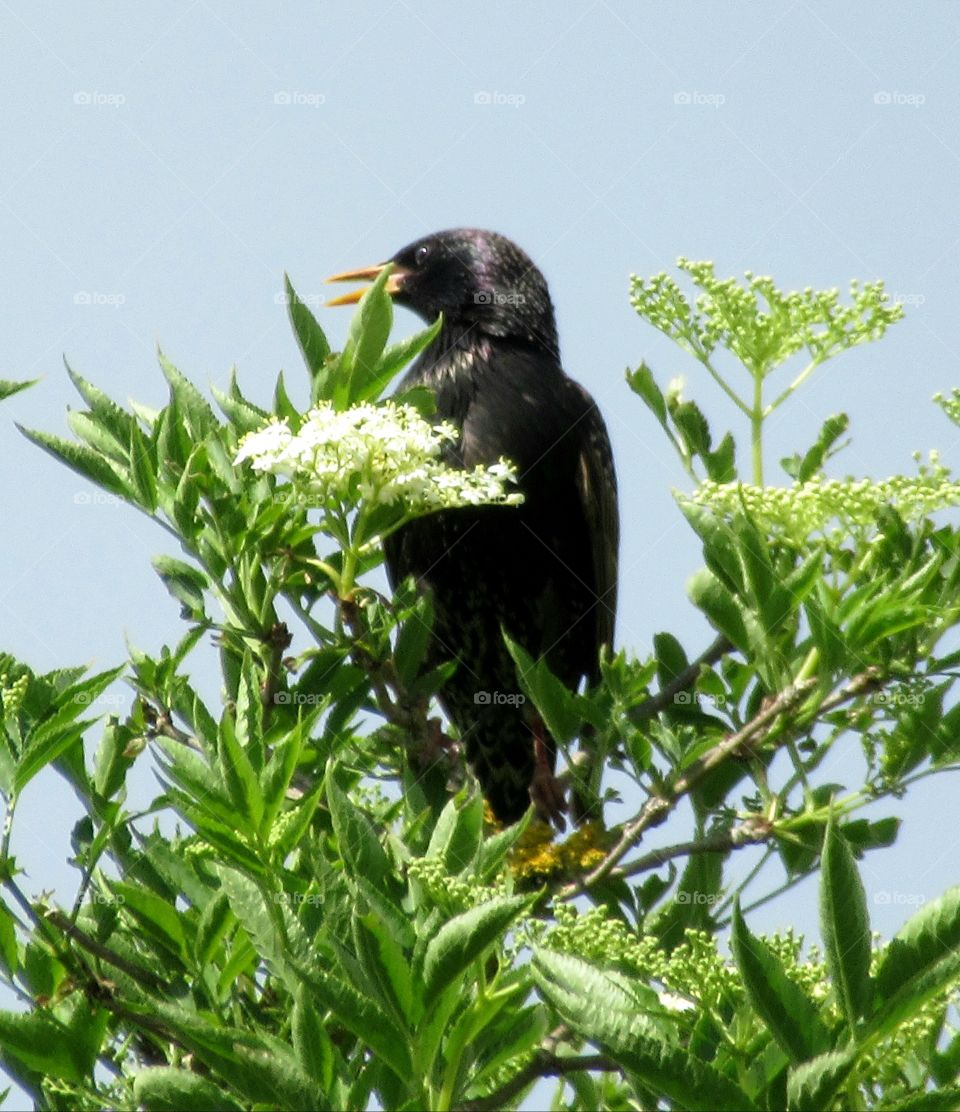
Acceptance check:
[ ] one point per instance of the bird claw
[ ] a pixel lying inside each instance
(546, 790)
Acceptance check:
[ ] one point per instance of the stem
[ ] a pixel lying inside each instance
(756, 428)
(721, 382)
(801, 377)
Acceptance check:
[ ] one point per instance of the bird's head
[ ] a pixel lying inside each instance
(479, 280)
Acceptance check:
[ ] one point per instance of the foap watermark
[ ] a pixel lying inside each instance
(503, 100)
(697, 699)
(889, 897)
(902, 698)
(701, 100)
(95, 99)
(891, 96)
(105, 899)
(499, 698)
(706, 899)
(96, 498)
(914, 300)
(104, 699)
(297, 699)
(312, 300)
(498, 297)
(298, 98)
(99, 298)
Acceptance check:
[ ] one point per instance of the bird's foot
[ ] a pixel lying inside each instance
(546, 790)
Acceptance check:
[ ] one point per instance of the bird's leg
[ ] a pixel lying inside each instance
(546, 791)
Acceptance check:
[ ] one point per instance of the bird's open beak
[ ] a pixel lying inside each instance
(366, 274)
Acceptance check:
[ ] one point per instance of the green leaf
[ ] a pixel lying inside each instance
(803, 469)
(86, 462)
(9, 954)
(42, 1043)
(310, 1040)
(8, 387)
(708, 594)
(413, 640)
(464, 938)
(356, 836)
(671, 659)
(369, 329)
(166, 1089)
(459, 831)
(721, 463)
(604, 1007)
(555, 702)
(642, 382)
(360, 1015)
(261, 1069)
(143, 468)
(845, 926)
(386, 966)
(215, 923)
(813, 1086)
(197, 415)
(920, 960)
(784, 1007)
(395, 358)
(185, 582)
(310, 336)
(239, 776)
(158, 917)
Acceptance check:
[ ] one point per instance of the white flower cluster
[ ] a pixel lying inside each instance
(797, 512)
(380, 454)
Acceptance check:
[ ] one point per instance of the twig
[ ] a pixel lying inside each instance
(543, 1064)
(750, 832)
(664, 698)
(747, 739)
(104, 953)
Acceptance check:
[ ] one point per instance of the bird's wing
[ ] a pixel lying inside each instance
(597, 488)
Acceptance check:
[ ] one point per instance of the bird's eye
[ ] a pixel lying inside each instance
(421, 254)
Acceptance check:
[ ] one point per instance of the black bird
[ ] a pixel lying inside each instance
(546, 571)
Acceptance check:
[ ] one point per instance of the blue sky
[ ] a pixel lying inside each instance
(165, 163)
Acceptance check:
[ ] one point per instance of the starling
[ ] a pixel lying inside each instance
(545, 571)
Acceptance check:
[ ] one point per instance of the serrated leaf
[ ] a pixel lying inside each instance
(921, 960)
(81, 459)
(812, 1086)
(784, 1007)
(196, 413)
(464, 938)
(357, 839)
(602, 1006)
(166, 1089)
(8, 387)
(311, 1042)
(845, 926)
(642, 382)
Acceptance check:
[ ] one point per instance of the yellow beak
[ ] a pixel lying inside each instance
(365, 274)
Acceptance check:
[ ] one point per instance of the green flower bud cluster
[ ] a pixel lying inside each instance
(798, 512)
(13, 692)
(452, 894)
(761, 324)
(951, 405)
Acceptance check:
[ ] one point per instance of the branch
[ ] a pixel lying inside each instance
(750, 832)
(687, 678)
(543, 1064)
(746, 740)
